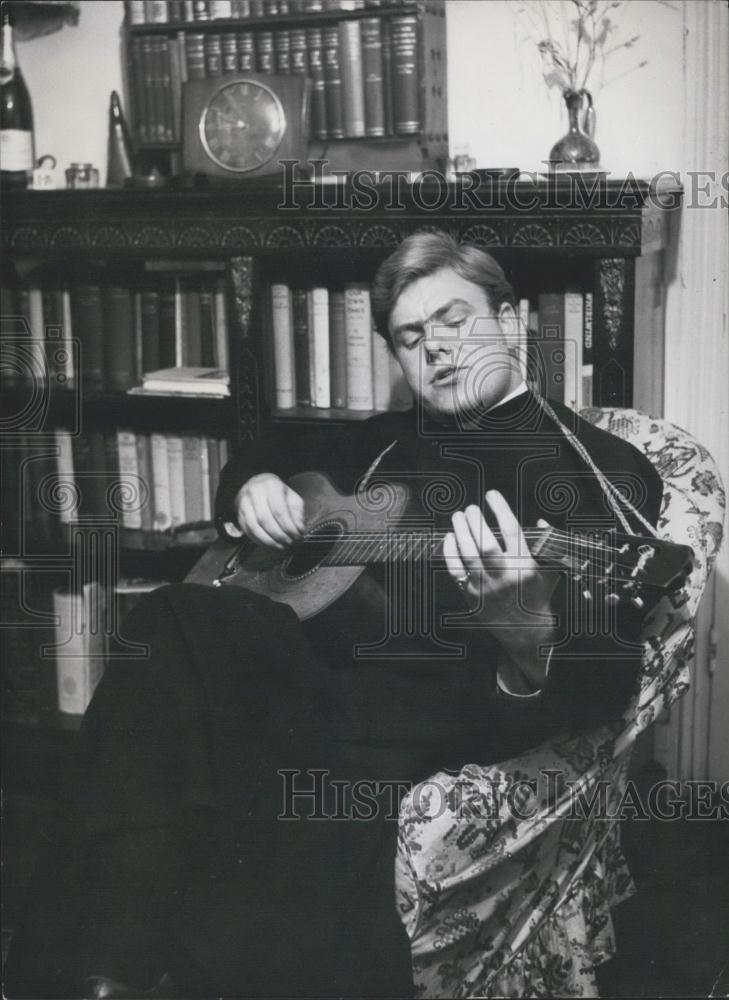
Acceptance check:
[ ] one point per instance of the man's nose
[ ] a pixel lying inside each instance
(438, 354)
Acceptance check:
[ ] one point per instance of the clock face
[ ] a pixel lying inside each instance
(242, 126)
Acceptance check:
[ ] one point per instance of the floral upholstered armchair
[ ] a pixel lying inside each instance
(506, 874)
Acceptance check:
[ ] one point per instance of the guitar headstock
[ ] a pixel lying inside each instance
(621, 568)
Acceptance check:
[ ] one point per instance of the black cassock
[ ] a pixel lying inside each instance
(173, 856)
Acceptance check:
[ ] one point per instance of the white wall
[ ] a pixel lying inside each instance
(70, 75)
(500, 106)
(498, 103)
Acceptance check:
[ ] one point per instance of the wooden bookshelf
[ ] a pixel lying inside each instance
(427, 148)
(609, 244)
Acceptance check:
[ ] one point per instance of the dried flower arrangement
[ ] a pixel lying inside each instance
(572, 36)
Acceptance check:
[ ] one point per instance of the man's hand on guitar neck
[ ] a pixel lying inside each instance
(504, 585)
(268, 512)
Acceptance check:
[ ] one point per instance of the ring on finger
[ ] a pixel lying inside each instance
(462, 581)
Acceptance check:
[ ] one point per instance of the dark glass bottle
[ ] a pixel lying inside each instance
(17, 156)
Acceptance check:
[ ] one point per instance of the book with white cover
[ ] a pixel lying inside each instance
(131, 513)
(186, 380)
(319, 347)
(283, 346)
(176, 473)
(160, 483)
(358, 329)
(573, 332)
(80, 647)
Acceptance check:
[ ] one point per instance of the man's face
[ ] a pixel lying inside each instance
(452, 349)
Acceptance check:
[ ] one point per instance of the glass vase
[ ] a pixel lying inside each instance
(576, 151)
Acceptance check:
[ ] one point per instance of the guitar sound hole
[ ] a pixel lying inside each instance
(307, 555)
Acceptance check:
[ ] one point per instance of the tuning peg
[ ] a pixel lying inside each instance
(612, 599)
(587, 594)
(637, 602)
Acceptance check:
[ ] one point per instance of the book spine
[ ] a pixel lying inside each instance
(179, 325)
(177, 77)
(79, 646)
(137, 71)
(160, 482)
(573, 333)
(374, 89)
(320, 347)
(176, 476)
(208, 352)
(337, 350)
(168, 104)
(191, 323)
(333, 83)
(282, 51)
(551, 344)
(131, 515)
(318, 90)
(135, 11)
(69, 367)
(257, 8)
(37, 332)
(587, 356)
(159, 99)
(150, 308)
(353, 98)
(523, 337)
(195, 55)
(204, 475)
(213, 50)
(387, 77)
(264, 52)
(300, 319)
(166, 356)
(283, 346)
(222, 359)
(214, 472)
(156, 12)
(86, 306)
(358, 324)
(144, 470)
(298, 52)
(200, 10)
(246, 55)
(220, 10)
(230, 52)
(405, 77)
(64, 472)
(191, 477)
(381, 373)
(118, 338)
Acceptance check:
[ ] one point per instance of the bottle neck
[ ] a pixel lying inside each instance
(8, 59)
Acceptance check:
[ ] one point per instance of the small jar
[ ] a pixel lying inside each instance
(82, 175)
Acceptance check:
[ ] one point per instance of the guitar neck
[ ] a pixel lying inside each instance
(366, 549)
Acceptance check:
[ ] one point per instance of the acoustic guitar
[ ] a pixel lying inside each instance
(345, 534)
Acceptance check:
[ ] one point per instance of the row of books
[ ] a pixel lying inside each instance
(190, 11)
(167, 479)
(556, 345)
(151, 482)
(105, 336)
(326, 355)
(54, 654)
(363, 74)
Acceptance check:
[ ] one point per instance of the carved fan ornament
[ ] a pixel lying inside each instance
(532, 235)
(584, 234)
